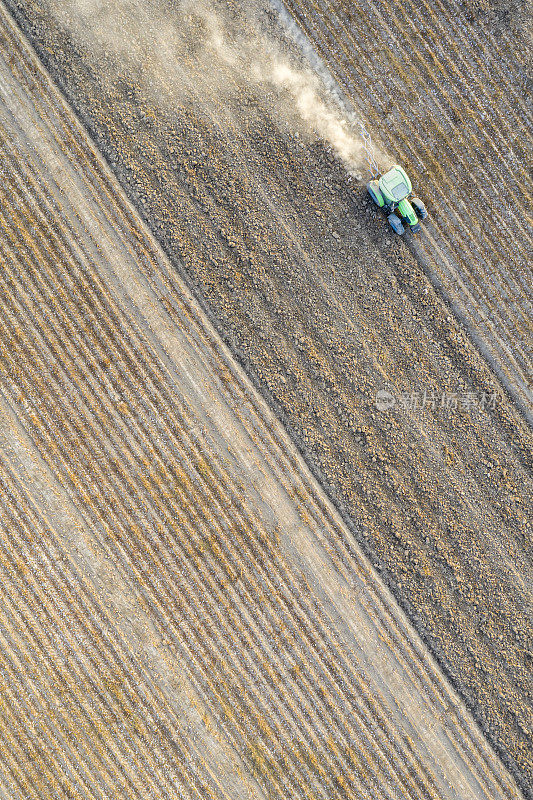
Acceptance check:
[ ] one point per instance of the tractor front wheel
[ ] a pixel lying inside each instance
(375, 194)
(396, 223)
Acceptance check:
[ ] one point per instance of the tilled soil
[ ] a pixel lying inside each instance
(183, 612)
(324, 308)
(449, 103)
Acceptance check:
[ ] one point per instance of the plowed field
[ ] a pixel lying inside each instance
(448, 101)
(323, 308)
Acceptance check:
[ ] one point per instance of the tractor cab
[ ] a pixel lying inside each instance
(395, 185)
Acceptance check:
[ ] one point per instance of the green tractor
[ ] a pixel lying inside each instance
(391, 193)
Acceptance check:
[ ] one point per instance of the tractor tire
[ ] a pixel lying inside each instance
(375, 194)
(419, 207)
(396, 223)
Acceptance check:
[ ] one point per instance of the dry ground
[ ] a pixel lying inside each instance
(183, 614)
(324, 308)
(449, 102)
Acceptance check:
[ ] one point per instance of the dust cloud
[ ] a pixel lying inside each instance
(205, 51)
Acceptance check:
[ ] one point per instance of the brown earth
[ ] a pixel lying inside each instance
(324, 308)
(183, 613)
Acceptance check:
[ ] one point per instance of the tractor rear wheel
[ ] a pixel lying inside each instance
(419, 207)
(396, 223)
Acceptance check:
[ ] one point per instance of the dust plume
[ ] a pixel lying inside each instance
(315, 113)
(201, 50)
